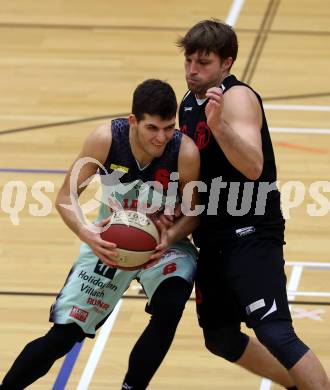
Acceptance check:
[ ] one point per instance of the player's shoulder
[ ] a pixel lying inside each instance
(99, 140)
(241, 95)
(103, 130)
(188, 147)
(237, 89)
(101, 133)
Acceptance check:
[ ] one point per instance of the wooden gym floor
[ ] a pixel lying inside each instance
(66, 66)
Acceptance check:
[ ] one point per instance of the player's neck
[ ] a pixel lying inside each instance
(141, 157)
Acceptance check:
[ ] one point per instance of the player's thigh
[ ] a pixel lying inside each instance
(176, 263)
(216, 304)
(90, 293)
(258, 279)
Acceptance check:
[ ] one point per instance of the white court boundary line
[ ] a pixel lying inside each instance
(292, 287)
(295, 107)
(298, 130)
(234, 12)
(96, 353)
(307, 264)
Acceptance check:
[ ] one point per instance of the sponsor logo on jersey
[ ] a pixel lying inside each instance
(85, 288)
(260, 304)
(169, 269)
(98, 303)
(202, 135)
(255, 306)
(90, 279)
(187, 108)
(119, 168)
(172, 254)
(162, 175)
(78, 314)
(270, 311)
(104, 270)
(245, 231)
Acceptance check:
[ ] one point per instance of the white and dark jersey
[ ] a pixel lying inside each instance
(228, 209)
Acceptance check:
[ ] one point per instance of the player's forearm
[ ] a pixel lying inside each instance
(245, 157)
(182, 227)
(71, 215)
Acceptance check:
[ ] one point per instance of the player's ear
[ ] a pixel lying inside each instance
(228, 62)
(132, 120)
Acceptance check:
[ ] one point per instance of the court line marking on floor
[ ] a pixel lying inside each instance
(234, 12)
(99, 345)
(299, 130)
(42, 171)
(295, 107)
(67, 367)
(301, 148)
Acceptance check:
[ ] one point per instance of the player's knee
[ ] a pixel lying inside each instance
(229, 343)
(168, 301)
(168, 314)
(281, 340)
(61, 338)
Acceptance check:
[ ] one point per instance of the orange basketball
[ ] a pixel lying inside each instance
(135, 235)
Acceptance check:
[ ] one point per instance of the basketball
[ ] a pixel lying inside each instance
(135, 235)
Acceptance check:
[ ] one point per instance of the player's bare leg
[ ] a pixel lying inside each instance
(309, 374)
(257, 359)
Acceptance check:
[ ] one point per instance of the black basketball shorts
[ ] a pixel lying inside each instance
(244, 280)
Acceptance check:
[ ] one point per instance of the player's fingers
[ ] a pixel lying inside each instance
(104, 222)
(157, 255)
(164, 223)
(215, 90)
(151, 264)
(107, 253)
(214, 100)
(105, 259)
(177, 210)
(110, 263)
(107, 244)
(162, 246)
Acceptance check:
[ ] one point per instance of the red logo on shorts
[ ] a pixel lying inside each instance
(78, 314)
(169, 269)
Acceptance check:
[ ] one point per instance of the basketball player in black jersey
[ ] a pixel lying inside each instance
(147, 148)
(240, 273)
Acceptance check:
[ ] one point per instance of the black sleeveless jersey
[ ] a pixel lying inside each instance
(121, 159)
(228, 209)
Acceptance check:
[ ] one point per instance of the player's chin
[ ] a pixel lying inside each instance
(158, 151)
(193, 86)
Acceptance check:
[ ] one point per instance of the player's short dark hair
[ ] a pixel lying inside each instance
(210, 36)
(154, 97)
